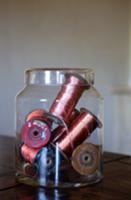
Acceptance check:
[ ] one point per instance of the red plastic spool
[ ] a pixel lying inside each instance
(29, 154)
(35, 133)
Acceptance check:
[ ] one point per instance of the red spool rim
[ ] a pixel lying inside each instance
(39, 114)
(96, 119)
(84, 82)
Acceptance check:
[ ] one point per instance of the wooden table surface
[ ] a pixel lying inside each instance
(115, 186)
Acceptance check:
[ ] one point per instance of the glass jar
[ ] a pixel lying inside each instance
(59, 128)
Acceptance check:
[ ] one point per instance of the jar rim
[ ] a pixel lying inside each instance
(49, 72)
(64, 69)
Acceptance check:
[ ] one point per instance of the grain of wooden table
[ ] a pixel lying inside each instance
(115, 186)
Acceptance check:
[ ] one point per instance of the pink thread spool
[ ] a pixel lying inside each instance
(68, 96)
(80, 129)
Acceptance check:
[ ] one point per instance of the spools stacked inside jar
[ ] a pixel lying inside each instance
(59, 138)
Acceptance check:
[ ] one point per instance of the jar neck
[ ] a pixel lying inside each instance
(55, 76)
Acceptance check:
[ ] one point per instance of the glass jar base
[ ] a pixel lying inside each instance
(90, 180)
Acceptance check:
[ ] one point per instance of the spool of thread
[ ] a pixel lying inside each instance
(30, 170)
(51, 162)
(79, 130)
(51, 120)
(86, 159)
(35, 133)
(46, 162)
(68, 96)
(29, 154)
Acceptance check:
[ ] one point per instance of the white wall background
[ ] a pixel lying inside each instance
(121, 140)
(129, 77)
(92, 33)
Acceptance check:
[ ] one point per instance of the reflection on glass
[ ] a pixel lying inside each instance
(51, 194)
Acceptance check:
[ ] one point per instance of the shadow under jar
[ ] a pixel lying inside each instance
(59, 128)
